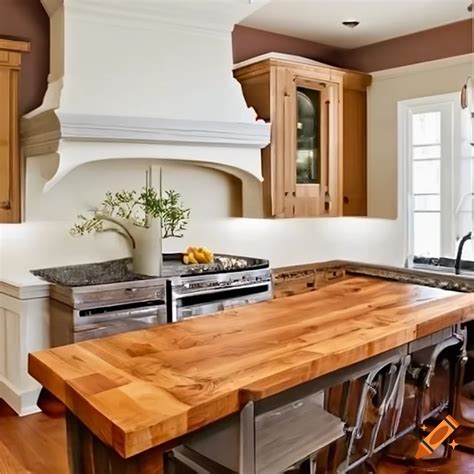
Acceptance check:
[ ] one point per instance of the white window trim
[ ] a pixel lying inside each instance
(405, 108)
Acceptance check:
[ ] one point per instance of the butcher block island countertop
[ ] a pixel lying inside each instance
(142, 389)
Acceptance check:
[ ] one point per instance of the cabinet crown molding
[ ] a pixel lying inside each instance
(7, 44)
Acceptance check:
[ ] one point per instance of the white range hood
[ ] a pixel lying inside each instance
(146, 79)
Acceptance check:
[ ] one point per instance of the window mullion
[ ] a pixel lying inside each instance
(447, 211)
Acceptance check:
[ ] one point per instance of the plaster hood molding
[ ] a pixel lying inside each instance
(78, 139)
(148, 79)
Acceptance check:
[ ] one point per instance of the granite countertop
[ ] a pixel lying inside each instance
(434, 279)
(30, 286)
(429, 278)
(120, 271)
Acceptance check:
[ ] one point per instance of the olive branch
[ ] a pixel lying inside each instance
(136, 208)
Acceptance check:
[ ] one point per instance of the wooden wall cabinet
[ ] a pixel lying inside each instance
(10, 167)
(316, 164)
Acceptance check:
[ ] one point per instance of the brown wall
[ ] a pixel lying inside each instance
(250, 42)
(445, 41)
(27, 20)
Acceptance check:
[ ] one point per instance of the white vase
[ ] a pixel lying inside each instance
(147, 254)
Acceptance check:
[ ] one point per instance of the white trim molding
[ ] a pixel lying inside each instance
(23, 402)
(40, 134)
(79, 139)
(24, 290)
(51, 6)
(199, 16)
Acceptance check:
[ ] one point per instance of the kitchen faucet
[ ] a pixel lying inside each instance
(457, 265)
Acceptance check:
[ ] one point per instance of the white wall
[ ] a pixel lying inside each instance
(388, 88)
(44, 239)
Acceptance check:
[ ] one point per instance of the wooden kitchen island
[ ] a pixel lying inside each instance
(135, 396)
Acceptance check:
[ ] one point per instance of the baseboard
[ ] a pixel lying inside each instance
(23, 402)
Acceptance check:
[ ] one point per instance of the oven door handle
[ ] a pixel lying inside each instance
(214, 290)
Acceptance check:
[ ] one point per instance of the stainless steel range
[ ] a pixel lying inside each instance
(238, 281)
(97, 300)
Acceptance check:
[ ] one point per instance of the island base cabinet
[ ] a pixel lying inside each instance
(267, 442)
(336, 423)
(332, 424)
(284, 432)
(385, 409)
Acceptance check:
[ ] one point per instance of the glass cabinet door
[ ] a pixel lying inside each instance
(308, 136)
(312, 151)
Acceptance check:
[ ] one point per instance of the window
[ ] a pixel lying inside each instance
(438, 159)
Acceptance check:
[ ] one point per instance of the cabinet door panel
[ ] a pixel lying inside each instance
(9, 154)
(3, 343)
(355, 153)
(14, 371)
(312, 148)
(278, 90)
(5, 160)
(10, 168)
(289, 110)
(334, 153)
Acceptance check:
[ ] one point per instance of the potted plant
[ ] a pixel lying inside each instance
(143, 218)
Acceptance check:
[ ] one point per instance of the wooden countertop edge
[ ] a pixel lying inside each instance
(72, 399)
(117, 438)
(448, 319)
(305, 373)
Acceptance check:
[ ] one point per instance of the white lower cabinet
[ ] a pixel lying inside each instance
(24, 328)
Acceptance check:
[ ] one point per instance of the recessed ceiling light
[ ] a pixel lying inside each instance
(351, 23)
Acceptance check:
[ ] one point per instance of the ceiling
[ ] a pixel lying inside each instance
(320, 20)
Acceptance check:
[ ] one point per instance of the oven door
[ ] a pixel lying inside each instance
(110, 328)
(190, 306)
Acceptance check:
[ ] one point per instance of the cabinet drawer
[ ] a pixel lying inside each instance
(290, 433)
(4, 57)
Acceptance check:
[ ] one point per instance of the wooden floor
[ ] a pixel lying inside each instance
(36, 444)
(462, 463)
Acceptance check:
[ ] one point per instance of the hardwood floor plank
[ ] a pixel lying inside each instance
(36, 442)
(8, 463)
(461, 463)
